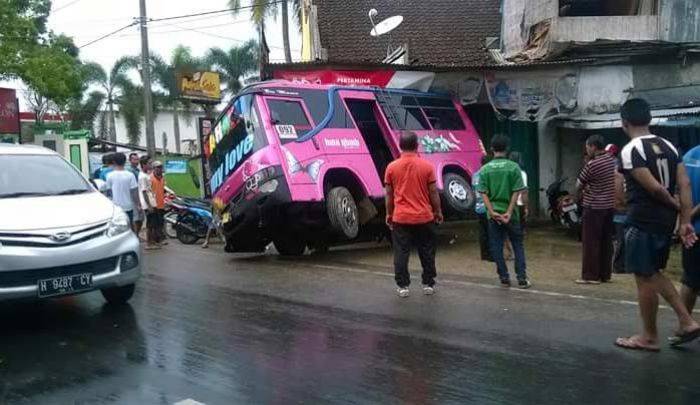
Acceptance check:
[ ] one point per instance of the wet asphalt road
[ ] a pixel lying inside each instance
(221, 329)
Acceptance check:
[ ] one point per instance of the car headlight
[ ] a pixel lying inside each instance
(118, 224)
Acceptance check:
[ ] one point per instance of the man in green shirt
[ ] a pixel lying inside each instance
(500, 184)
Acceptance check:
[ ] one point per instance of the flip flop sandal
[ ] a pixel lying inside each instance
(633, 344)
(684, 338)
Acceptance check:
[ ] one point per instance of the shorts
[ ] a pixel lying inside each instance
(691, 267)
(139, 215)
(646, 253)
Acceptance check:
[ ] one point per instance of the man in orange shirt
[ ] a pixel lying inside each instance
(158, 188)
(412, 212)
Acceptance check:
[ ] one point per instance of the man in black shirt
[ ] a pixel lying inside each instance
(653, 173)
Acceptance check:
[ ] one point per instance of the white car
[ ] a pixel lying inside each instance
(58, 235)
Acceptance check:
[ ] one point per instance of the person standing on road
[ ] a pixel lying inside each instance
(500, 184)
(412, 212)
(139, 214)
(691, 256)
(158, 188)
(148, 202)
(597, 182)
(523, 199)
(480, 210)
(653, 172)
(123, 188)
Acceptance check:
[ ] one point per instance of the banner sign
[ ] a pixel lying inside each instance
(379, 78)
(9, 112)
(202, 87)
(522, 97)
(175, 166)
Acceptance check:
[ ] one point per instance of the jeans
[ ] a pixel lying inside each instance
(423, 238)
(497, 236)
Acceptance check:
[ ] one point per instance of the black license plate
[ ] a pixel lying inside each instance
(53, 287)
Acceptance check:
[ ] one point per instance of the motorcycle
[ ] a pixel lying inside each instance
(188, 219)
(563, 208)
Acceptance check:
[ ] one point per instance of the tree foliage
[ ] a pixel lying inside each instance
(46, 62)
(233, 64)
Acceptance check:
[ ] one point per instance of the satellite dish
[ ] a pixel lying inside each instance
(386, 26)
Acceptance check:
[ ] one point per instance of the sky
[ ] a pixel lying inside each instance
(86, 20)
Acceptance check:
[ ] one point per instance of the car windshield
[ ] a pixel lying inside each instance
(39, 175)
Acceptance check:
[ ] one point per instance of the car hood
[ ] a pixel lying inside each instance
(42, 213)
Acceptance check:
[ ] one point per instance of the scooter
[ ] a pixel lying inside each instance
(190, 219)
(563, 208)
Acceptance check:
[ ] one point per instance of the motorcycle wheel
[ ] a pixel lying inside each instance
(186, 237)
(170, 230)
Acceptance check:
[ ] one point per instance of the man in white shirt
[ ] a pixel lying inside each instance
(121, 185)
(148, 200)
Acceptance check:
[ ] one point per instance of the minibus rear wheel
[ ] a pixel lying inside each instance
(458, 194)
(343, 212)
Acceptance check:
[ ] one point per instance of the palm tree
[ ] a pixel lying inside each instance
(261, 9)
(113, 84)
(83, 113)
(233, 64)
(165, 75)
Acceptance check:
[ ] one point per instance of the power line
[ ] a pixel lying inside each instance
(108, 35)
(180, 17)
(65, 6)
(219, 36)
(216, 11)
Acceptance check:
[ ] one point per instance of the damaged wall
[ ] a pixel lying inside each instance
(680, 21)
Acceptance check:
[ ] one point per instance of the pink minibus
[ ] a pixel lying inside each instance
(302, 165)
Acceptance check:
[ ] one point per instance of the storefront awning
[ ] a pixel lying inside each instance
(676, 117)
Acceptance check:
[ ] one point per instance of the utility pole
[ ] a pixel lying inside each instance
(146, 76)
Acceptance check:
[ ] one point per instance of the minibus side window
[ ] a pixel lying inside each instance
(289, 119)
(403, 113)
(441, 113)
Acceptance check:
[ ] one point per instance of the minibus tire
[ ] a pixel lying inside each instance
(343, 213)
(456, 185)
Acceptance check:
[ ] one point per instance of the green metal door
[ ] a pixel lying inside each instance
(76, 157)
(523, 138)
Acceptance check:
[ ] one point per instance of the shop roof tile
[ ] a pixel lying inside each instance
(441, 33)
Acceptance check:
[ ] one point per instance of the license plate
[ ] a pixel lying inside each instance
(286, 131)
(53, 287)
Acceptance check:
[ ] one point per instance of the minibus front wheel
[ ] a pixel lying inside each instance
(343, 213)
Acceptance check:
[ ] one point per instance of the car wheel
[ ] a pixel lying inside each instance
(342, 212)
(118, 295)
(458, 194)
(287, 245)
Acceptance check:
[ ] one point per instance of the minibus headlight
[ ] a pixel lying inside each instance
(259, 181)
